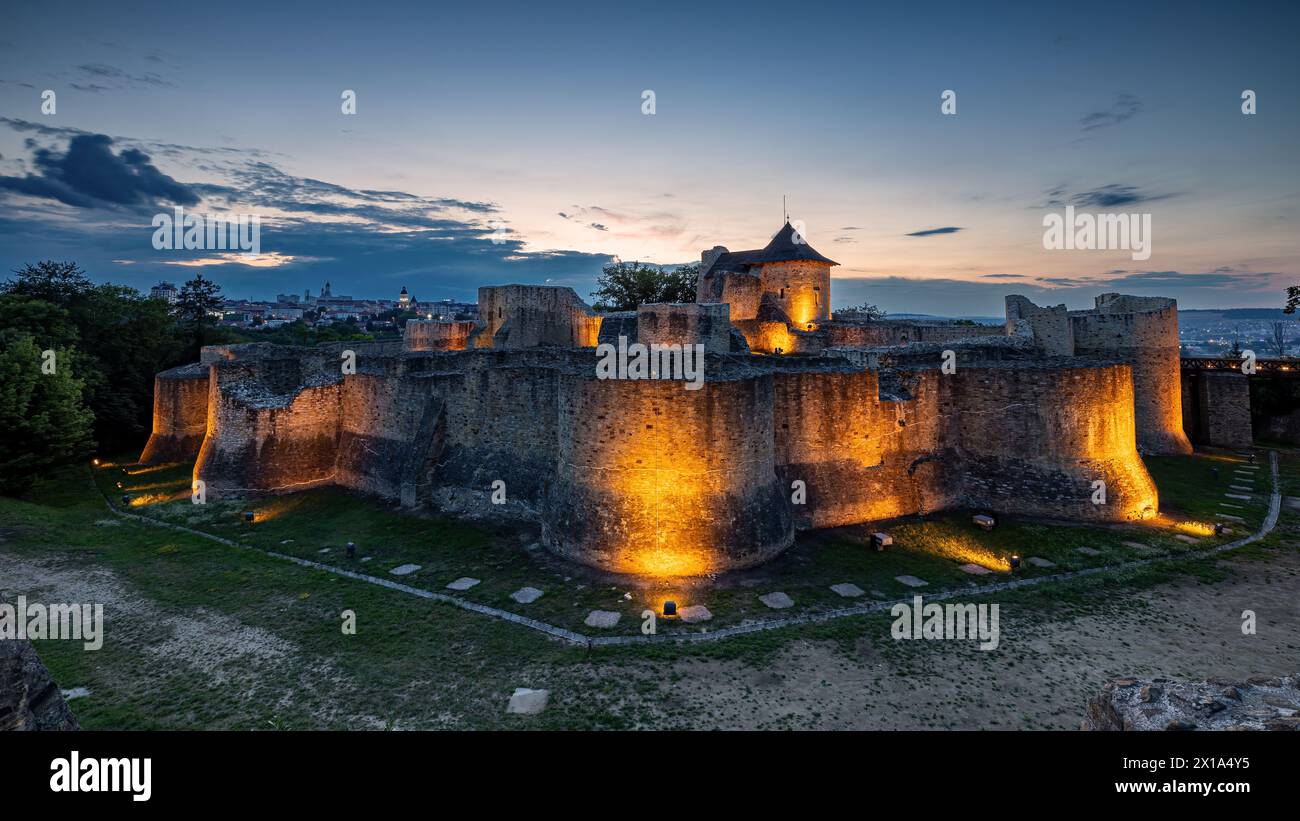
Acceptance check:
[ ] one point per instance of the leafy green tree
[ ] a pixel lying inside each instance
(195, 304)
(623, 286)
(43, 422)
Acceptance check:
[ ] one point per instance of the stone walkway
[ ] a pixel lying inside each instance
(1270, 521)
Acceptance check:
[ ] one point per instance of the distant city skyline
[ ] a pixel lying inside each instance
(508, 143)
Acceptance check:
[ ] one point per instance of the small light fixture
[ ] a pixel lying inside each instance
(1218, 528)
(670, 608)
(126, 499)
(984, 521)
(352, 550)
(119, 485)
(95, 462)
(248, 516)
(1015, 563)
(881, 540)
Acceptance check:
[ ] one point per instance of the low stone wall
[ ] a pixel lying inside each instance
(29, 698)
(436, 335)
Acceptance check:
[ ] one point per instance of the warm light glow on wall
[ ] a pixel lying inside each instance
(275, 508)
(158, 498)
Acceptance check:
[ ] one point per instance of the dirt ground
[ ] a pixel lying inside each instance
(1041, 676)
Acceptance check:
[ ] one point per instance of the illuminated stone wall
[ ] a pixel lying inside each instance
(437, 335)
(685, 323)
(802, 289)
(1142, 331)
(180, 415)
(655, 479)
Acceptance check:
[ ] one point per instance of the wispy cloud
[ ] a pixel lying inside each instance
(1125, 108)
(932, 232)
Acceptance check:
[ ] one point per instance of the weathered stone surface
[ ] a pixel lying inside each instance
(970, 567)
(528, 702)
(1089, 551)
(848, 590)
(777, 600)
(1260, 703)
(29, 698)
(601, 618)
(1039, 561)
(463, 583)
(526, 595)
(404, 569)
(911, 581)
(694, 613)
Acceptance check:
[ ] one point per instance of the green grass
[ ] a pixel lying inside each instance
(316, 524)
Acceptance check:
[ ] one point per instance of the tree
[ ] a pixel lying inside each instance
(197, 300)
(59, 283)
(863, 311)
(1292, 299)
(624, 286)
(43, 422)
(1279, 337)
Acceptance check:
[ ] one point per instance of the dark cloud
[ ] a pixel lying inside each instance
(102, 77)
(90, 175)
(1107, 196)
(1125, 107)
(930, 232)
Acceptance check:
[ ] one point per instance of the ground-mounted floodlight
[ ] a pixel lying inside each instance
(670, 608)
(881, 540)
(1218, 528)
(984, 521)
(95, 462)
(352, 550)
(119, 485)
(248, 516)
(126, 498)
(1015, 563)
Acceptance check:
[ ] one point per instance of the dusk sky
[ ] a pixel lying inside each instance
(514, 121)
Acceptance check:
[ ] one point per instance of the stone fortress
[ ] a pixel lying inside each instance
(804, 421)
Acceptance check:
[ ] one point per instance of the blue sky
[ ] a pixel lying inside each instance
(525, 124)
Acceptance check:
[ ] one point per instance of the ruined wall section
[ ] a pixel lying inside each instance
(180, 415)
(1142, 331)
(437, 335)
(1032, 439)
(273, 426)
(526, 316)
(685, 323)
(859, 455)
(652, 478)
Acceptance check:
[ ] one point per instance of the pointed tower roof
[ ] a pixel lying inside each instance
(782, 248)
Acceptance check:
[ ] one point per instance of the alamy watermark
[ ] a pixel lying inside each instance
(655, 361)
(69, 622)
(946, 622)
(208, 232)
(1098, 232)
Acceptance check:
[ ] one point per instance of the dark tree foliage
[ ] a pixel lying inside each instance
(195, 305)
(43, 421)
(623, 286)
(118, 338)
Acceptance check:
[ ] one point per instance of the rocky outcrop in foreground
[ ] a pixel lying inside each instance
(29, 699)
(1259, 703)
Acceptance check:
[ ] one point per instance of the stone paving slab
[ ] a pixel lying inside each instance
(694, 613)
(367, 558)
(1238, 496)
(1229, 504)
(1139, 546)
(1242, 488)
(526, 595)
(528, 702)
(911, 581)
(463, 583)
(848, 590)
(777, 601)
(1088, 551)
(1039, 561)
(971, 568)
(1183, 537)
(404, 569)
(601, 618)
(1229, 517)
